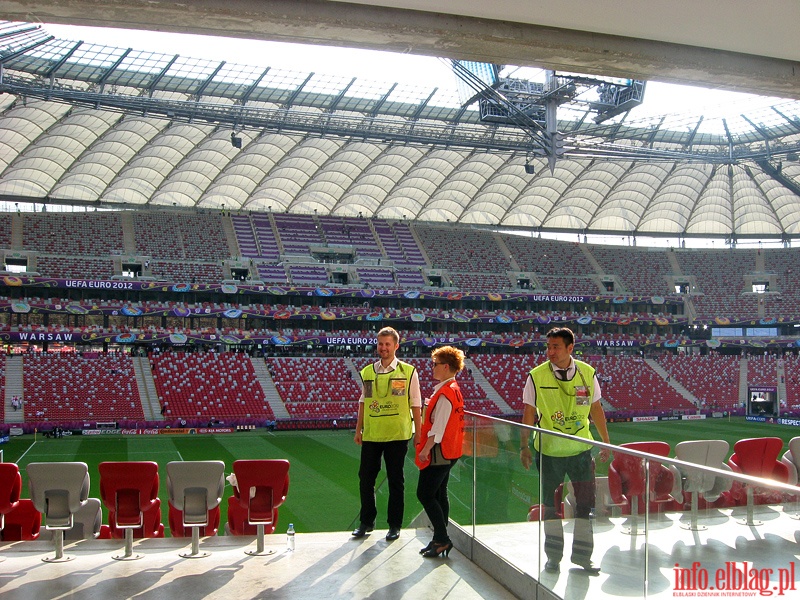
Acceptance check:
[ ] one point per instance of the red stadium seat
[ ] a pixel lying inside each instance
(261, 487)
(627, 481)
(129, 490)
(759, 457)
(10, 488)
(22, 522)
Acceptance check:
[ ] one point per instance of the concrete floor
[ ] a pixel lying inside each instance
(324, 565)
(774, 544)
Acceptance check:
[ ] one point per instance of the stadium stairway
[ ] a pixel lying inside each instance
(491, 393)
(743, 387)
(782, 397)
(353, 369)
(672, 382)
(13, 388)
(147, 389)
(270, 393)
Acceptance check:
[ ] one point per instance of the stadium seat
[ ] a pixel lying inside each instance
(758, 457)
(87, 522)
(22, 522)
(152, 526)
(709, 453)
(261, 487)
(58, 491)
(128, 490)
(195, 489)
(791, 458)
(10, 488)
(237, 520)
(627, 481)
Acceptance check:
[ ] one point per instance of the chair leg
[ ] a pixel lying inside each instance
(259, 551)
(58, 540)
(633, 529)
(129, 555)
(693, 525)
(749, 521)
(195, 553)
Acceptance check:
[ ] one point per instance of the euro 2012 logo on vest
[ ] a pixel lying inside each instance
(558, 417)
(374, 406)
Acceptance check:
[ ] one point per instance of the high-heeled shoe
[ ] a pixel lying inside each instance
(426, 548)
(437, 550)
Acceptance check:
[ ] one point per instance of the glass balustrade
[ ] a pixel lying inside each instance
(662, 527)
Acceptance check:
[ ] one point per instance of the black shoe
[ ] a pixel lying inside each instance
(426, 548)
(587, 565)
(552, 565)
(394, 533)
(362, 530)
(437, 550)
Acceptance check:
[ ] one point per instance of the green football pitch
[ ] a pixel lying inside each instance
(323, 491)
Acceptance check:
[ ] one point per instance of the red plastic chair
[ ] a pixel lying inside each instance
(261, 487)
(23, 522)
(152, 526)
(759, 457)
(237, 520)
(627, 481)
(10, 488)
(129, 490)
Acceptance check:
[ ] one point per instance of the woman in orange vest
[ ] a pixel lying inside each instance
(440, 446)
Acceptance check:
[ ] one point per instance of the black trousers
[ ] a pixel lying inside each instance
(394, 455)
(432, 494)
(580, 470)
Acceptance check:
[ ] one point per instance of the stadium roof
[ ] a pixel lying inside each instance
(115, 127)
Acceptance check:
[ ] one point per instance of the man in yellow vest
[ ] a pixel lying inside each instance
(390, 403)
(563, 394)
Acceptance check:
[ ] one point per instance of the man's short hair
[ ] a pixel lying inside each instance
(390, 331)
(565, 333)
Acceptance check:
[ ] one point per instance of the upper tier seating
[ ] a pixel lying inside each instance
(392, 245)
(208, 385)
(548, 257)
(342, 231)
(5, 230)
(180, 236)
(712, 379)
(785, 263)
(272, 273)
(410, 278)
(85, 233)
(642, 272)
(265, 236)
(376, 277)
(70, 267)
(245, 236)
(459, 249)
(298, 233)
(719, 275)
(480, 282)
(186, 272)
(67, 387)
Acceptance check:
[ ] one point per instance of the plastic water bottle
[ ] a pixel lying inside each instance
(290, 538)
